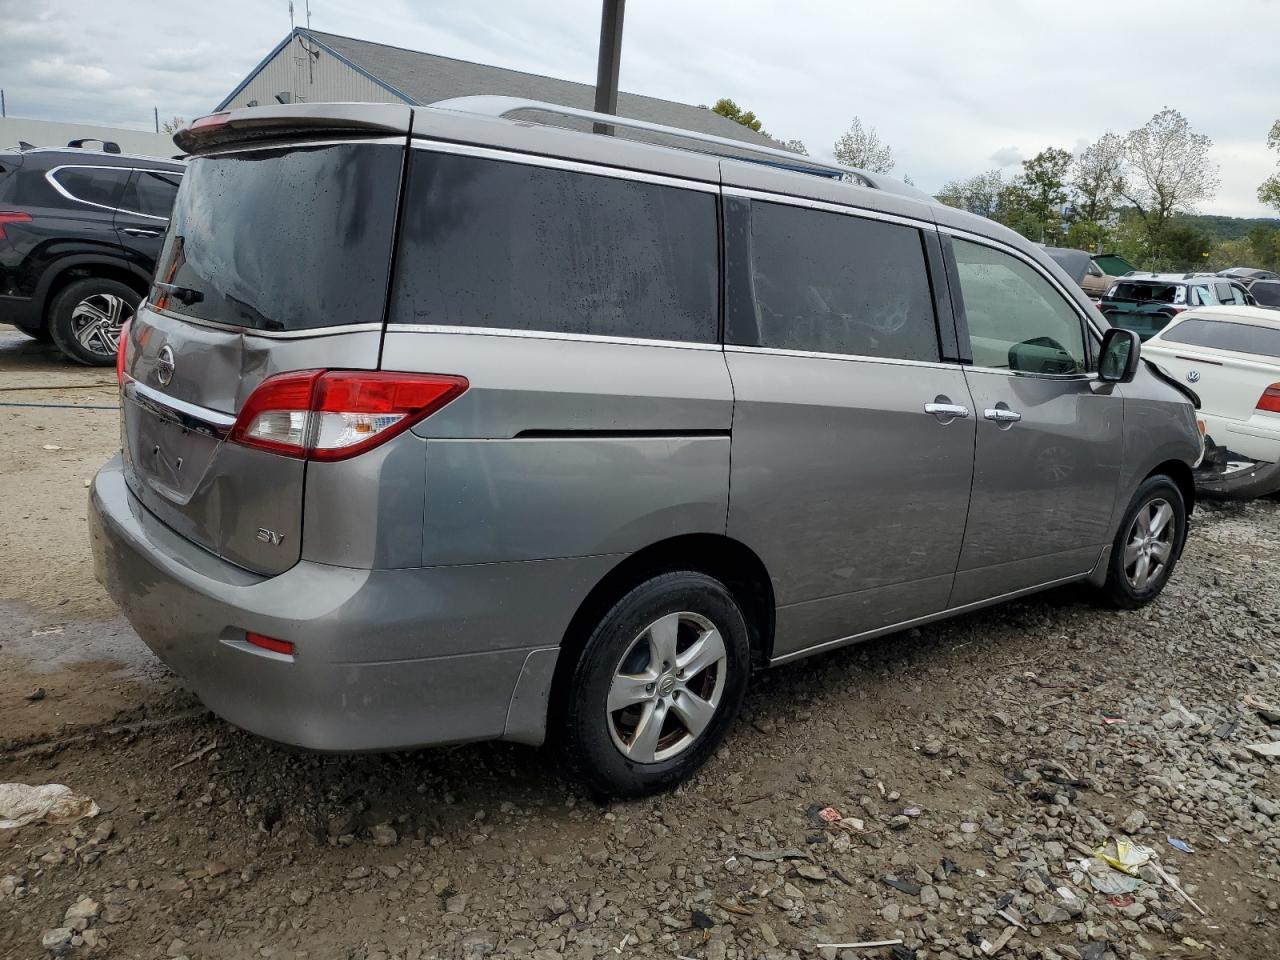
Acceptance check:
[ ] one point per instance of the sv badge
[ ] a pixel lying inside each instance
(270, 536)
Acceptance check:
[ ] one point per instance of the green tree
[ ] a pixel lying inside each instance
(796, 146)
(1264, 248)
(1269, 192)
(1183, 247)
(984, 194)
(1037, 196)
(1094, 191)
(1166, 171)
(173, 125)
(861, 148)
(727, 108)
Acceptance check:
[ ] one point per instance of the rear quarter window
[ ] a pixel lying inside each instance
(99, 186)
(490, 243)
(1267, 294)
(1221, 335)
(812, 280)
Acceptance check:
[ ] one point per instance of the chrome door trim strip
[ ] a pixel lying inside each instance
(577, 166)
(212, 423)
(307, 334)
(1005, 372)
(545, 335)
(817, 355)
(928, 618)
(747, 193)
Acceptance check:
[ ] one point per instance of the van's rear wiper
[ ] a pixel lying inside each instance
(184, 295)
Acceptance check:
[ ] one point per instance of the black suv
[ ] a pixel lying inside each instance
(80, 231)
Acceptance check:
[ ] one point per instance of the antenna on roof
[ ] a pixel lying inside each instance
(292, 26)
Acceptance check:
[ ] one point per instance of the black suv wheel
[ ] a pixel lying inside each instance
(657, 685)
(86, 316)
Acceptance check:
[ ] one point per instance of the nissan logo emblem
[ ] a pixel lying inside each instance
(165, 365)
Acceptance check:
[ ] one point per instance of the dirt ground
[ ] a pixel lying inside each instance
(976, 765)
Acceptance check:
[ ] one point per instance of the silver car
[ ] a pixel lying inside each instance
(455, 423)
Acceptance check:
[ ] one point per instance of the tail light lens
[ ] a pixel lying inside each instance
(122, 351)
(10, 216)
(1270, 399)
(336, 414)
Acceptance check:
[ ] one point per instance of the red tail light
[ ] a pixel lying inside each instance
(336, 414)
(11, 216)
(1270, 399)
(269, 643)
(122, 351)
(212, 120)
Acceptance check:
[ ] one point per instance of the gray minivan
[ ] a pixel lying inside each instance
(452, 423)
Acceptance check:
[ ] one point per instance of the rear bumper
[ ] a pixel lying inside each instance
(383, 659)
(1228, 475)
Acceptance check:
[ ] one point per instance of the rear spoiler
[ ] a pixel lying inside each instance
(309, 120)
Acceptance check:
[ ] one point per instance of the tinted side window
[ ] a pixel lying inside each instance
(1217, 335)
(93, 184)
(151, 192)
(488, 243)
(830, 283)
(1267, 294)
(1017, 320)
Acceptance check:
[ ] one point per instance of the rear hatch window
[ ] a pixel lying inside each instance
(1149, 292)
(282, 239)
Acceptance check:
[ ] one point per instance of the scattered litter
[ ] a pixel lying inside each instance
(901, 951)
(37, 694)
(701, 920)
(50, 447)
(1186, 716)
(47, 631)
(1121, 902)
(770, 856)
(1012, 919)
(626, 937)
(903, 885)
(1066, 893)
(732, 906)
(1113, 884)
(1125, 855)
(991, 948)
(863, 945)
(1004, 901)
(1109, 718)
(948, 866)
(1180, 845)
(1226, 729)
(1267, 711)
(1264, 749)
(829, 815)
(1177, 888)
(856, 824)
(196, 755)
(912, 812)
(21, 804)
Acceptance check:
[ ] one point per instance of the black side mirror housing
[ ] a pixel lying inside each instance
(1119, 355)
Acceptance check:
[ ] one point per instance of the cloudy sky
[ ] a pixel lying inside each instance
(955, 88)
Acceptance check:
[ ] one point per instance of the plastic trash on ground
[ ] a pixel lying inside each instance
(1125, 855)
(21, 804)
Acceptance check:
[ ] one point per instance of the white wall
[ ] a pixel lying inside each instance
(47, 133)
(325, 80)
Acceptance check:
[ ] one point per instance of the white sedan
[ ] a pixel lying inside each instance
(1230, 356)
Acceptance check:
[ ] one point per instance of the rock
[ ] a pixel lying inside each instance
(82, 913)
(58, 940)
(1134, 910)
(900, 822)
(1134, 822)
(177, 947)
(300, 897)
(767, 933)
(811, 871)
(932, 747)
(1046, 912)
(1034, 885)
(716, 949)
(1267, 808)
(457, 903)
(891, 912)
(384, 835)
(929, 896)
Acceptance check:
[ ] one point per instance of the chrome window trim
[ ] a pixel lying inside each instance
(61, 189)
(213, 423)
(547, 335)
(861, 358)
(1006, 372)
(556, 163)
(745, 193)
(331, 331)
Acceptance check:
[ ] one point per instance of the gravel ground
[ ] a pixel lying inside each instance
(972, 763)
(975, 766)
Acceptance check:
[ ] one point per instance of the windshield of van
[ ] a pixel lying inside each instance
(284, 238)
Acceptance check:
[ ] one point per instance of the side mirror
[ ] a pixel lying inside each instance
(1118, 358)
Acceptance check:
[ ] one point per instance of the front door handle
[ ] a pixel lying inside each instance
(1002, 415)
(946, 412)
(140, 232)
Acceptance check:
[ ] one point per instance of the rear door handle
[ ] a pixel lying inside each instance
(1002, 415)
(947, 411)
(140, 232)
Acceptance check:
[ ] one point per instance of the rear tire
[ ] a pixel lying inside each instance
(86, 316)
(656, 687)
(1147, 545)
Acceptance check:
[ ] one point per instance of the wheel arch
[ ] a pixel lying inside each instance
(68, 271)
(730, 561)
(1180, 474)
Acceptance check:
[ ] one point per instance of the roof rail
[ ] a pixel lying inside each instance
(497, 106)
(108, 146)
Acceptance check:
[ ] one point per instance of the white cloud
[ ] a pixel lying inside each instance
(1006, 156)
(951, 99)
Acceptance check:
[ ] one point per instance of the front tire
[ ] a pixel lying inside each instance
(657, 685)
(86, 316)
(1147, 545)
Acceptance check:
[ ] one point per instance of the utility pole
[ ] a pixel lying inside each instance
(156, 111)
(2, 111)
(610, 60)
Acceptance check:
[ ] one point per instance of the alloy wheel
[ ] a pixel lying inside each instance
(667, 687)
(96, 321)
(1149, 544)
